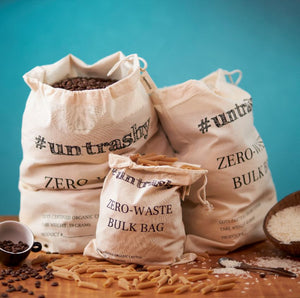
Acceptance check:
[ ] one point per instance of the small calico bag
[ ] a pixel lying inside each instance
(140, 218)
(210, 122)
(66, 138)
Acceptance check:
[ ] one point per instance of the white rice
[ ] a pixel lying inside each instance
(285, 225)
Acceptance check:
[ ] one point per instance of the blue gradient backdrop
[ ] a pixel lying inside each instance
(180, 40)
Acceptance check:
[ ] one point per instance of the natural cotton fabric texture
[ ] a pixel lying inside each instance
(140, 213)
(66, 139)
(210, 122)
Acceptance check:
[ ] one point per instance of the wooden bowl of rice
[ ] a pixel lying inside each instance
(282, 224)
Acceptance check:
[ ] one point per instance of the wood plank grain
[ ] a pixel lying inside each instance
(253, 286)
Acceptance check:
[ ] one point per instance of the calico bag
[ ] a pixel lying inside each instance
(66, 139)
(140, 212)
(210, 122)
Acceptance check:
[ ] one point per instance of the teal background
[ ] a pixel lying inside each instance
(180, 40)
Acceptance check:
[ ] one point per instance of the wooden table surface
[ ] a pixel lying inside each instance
(250, 286)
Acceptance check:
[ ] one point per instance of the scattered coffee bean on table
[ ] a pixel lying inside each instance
(24, 272)
(37, 284)
(10, 246)
(81, 83)
(19, 288)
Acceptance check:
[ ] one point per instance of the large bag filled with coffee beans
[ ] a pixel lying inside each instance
(75, 116)
(210, 122)
(140, 219)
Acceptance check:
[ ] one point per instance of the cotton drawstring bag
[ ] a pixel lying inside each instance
(66, 139)
(140, 218)
(210, 122)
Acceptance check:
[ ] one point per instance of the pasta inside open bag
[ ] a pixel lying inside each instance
(140, 219)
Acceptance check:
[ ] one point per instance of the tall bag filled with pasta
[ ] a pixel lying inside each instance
(66, 138)
(140, 210)
(210, 122)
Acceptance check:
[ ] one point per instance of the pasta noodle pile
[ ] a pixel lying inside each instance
(153, 159)
(131, 279)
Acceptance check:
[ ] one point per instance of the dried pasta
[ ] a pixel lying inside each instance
(130, 280)
(108, 283)
(207, 289)
(182, 289)
(198, 277)
(224, 287)
(89, 285)
(184, 280)
(199, 271)
(45, 258)
(163, 280)
(135, 282)
(168, 289)
(144, 276)
(173, 279)
(223, 281)
(63, 274)
(146, 284)
(153, 159)
(198, 287)
(154, 274)
(127, 293)
(124, 284)
(130, 276)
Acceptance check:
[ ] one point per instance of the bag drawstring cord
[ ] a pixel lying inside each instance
(230, 73)
(202, 198)
(129, 58)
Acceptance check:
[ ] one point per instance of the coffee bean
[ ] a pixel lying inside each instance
(10, 246)
(262, 275)
(54, 284)
(81, 83)
(26, 272)
(37, 284)
(49, 270)
(24, 276)
(41, 296)
(4, 295)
